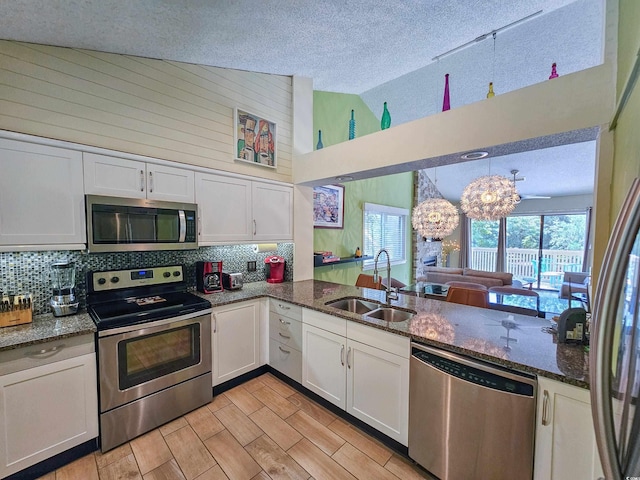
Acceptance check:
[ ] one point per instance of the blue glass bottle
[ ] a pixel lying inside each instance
(319, 145)
(385, 121)
(352, 127)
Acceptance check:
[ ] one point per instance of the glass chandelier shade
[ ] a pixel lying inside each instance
(489, 198)
(435, 218)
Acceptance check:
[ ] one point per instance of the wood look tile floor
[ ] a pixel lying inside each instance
(262, 429)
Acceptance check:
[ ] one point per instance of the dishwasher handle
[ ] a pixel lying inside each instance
(473, 371)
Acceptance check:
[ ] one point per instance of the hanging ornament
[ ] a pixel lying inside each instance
(554, 72)
(352, 127)
(319, 145)
(446, 104)
(385, 121)
(490, 92)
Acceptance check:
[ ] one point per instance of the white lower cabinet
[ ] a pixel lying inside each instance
(236, 340)
(285, 339)
(48, 401)
(565, 437)
(360, 369)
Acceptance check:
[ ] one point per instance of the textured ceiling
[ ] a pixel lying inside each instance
(380, 49)
(346, 46)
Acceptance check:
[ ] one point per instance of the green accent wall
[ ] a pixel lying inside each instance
(331, 114)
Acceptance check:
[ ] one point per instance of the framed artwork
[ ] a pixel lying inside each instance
(254, 139)
(328, 206)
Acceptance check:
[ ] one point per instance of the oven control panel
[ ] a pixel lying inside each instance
(136, 277)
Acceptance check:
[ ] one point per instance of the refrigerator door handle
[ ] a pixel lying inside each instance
(611, 283)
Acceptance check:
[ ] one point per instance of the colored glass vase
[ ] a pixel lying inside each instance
(490, 92)
(446, 103)
(554, 72)
(352, 127)
(319, 145)
(385, 121)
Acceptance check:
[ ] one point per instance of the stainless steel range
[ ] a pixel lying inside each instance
(153, 346)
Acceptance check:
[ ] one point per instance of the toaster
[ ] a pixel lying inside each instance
(231, 281)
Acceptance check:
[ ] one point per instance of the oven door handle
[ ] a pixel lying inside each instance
(158, 323)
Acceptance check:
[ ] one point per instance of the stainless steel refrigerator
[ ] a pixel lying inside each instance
(615, 346)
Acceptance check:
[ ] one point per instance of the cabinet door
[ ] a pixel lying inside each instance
(272, 212)
(170, 183)
(224, 206)
(116, 177)
(41, 195)
(565, 437)
(323, 364)
(236, 340)
(378, 389)
(46, 410)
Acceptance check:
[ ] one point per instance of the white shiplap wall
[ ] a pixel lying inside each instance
(168, 110)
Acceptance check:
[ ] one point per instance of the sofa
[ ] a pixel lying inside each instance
(450, 274)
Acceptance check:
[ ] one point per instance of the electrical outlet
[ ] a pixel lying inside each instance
(251, 266)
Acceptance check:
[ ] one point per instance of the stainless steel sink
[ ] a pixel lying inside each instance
(388, 314)
(353, 304)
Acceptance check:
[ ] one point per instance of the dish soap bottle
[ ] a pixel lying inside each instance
(358, 253)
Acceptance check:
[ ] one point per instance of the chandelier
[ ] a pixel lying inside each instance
(489, 198)
(435, 218)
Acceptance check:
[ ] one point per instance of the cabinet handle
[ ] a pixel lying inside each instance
(283, 350)
(142, 180)
(342, 355)
(283, 322)
(45, 352)
(545, 408)
(284, 336)
(151, 182)
(283, 307)
(215, 322)
(255, 226)
(348, 362)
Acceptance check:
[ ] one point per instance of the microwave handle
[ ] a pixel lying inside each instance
(183, 226)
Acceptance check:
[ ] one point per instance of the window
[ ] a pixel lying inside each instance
(385, 227)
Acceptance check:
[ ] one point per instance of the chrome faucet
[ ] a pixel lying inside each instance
(391, 293)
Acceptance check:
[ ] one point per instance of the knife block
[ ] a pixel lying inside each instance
(16, 317)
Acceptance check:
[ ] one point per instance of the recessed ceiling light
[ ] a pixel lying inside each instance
(474, 155)
(344, 178)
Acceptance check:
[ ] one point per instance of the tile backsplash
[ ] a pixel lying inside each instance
(28, 272)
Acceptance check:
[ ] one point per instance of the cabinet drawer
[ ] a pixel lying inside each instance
(287, 309)
(285, 330)
(286, 360)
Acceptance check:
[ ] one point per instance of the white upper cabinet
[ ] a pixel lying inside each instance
(119, 177)
(224, 207)
(272, 211)
(41, 196)
(236, 210)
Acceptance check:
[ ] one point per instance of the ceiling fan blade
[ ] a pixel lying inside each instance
(533, 197)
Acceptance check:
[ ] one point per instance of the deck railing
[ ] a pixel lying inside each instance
(523, 262)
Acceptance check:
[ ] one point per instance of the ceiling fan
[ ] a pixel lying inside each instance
(515, 172)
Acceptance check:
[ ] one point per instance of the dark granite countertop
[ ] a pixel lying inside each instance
(45, 328)
(471, 331)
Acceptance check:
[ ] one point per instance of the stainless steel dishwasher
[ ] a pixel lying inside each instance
(470, 420)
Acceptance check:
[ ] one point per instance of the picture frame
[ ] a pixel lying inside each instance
(262, 139)
(328, 206)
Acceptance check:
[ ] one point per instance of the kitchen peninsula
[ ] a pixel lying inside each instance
(467, 330)
(262, 314)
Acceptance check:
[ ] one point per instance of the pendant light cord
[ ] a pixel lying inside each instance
(493, 65)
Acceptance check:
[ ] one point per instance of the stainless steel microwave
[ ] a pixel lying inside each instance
(117, 224)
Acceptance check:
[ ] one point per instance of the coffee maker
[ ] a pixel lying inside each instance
(63, 284)
(274, 266)
(209, 276)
